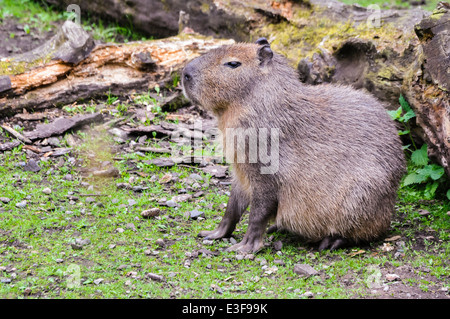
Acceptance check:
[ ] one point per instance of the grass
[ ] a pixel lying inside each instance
(38, 258)
(43, 17)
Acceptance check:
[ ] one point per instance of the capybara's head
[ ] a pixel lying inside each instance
(227, 74)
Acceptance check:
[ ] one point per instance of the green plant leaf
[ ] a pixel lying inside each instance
(448, 194)
(414, 178)
(403, 132)
(404, 104)
(407, 116)
(395, 115)
(436, 172)
(430, 189)
(420, 156)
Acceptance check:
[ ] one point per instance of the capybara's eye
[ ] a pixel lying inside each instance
(233, 64)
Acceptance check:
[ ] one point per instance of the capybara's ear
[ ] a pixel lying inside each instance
(265, 54)
(262, 41)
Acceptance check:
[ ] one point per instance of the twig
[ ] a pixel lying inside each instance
(16, 134)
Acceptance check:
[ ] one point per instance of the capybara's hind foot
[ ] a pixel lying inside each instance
(332, 243)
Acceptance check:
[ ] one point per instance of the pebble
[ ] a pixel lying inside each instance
(208, 242)
(160, 242)
(277, 245)
(131, 226)
(47, 191)
(59, 260)
(305, 270)
(98, 281)
(307, 294)
(5, 200)
(120, 230)
(195, 177)
(90, 200)
(152, 212)
(68, 177)
(392, 277)
(194, 214)
(171, 203)
(31, 166)
(154, 277)
(82, 242)
(132, 202)
(22, 204)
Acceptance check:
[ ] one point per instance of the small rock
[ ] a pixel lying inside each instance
(152, 212)
(160, 242)
(27, 291)
(277, 245)
(165, 179)
(198, 194)
(131, 226)
(22, 204)
(76, 246)
(82, 242)
(5, 200)
(182, 198)
(47, 191)
(217, 289)
(120, 230)
(305, 270)
(208, 242)
(392, 277)
(195, 177)
(279, 262)
(171, 203)
(249, 257)
(59, 260)
(424, 212)
(5, 280)
(90, 200)
(111, 246)
(233, 241)
(53, 141)
(154, 277)
(68, 177)
(132, 202)
(240, 257)
(98, 281)
(448, 213)
(307, 294)
(194, 214)
(31, 166)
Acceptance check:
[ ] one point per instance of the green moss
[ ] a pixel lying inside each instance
(307, 32)
(437, 14)
(18, 67)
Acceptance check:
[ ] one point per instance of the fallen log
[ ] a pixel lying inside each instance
(428, 89)
(116, 68)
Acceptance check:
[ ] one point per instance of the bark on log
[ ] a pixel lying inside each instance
(63, 78)
(428, 89)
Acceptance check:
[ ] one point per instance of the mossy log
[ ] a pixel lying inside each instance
(428, 88)
(73, 69)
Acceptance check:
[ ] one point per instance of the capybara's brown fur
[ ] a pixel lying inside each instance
(340, 159)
